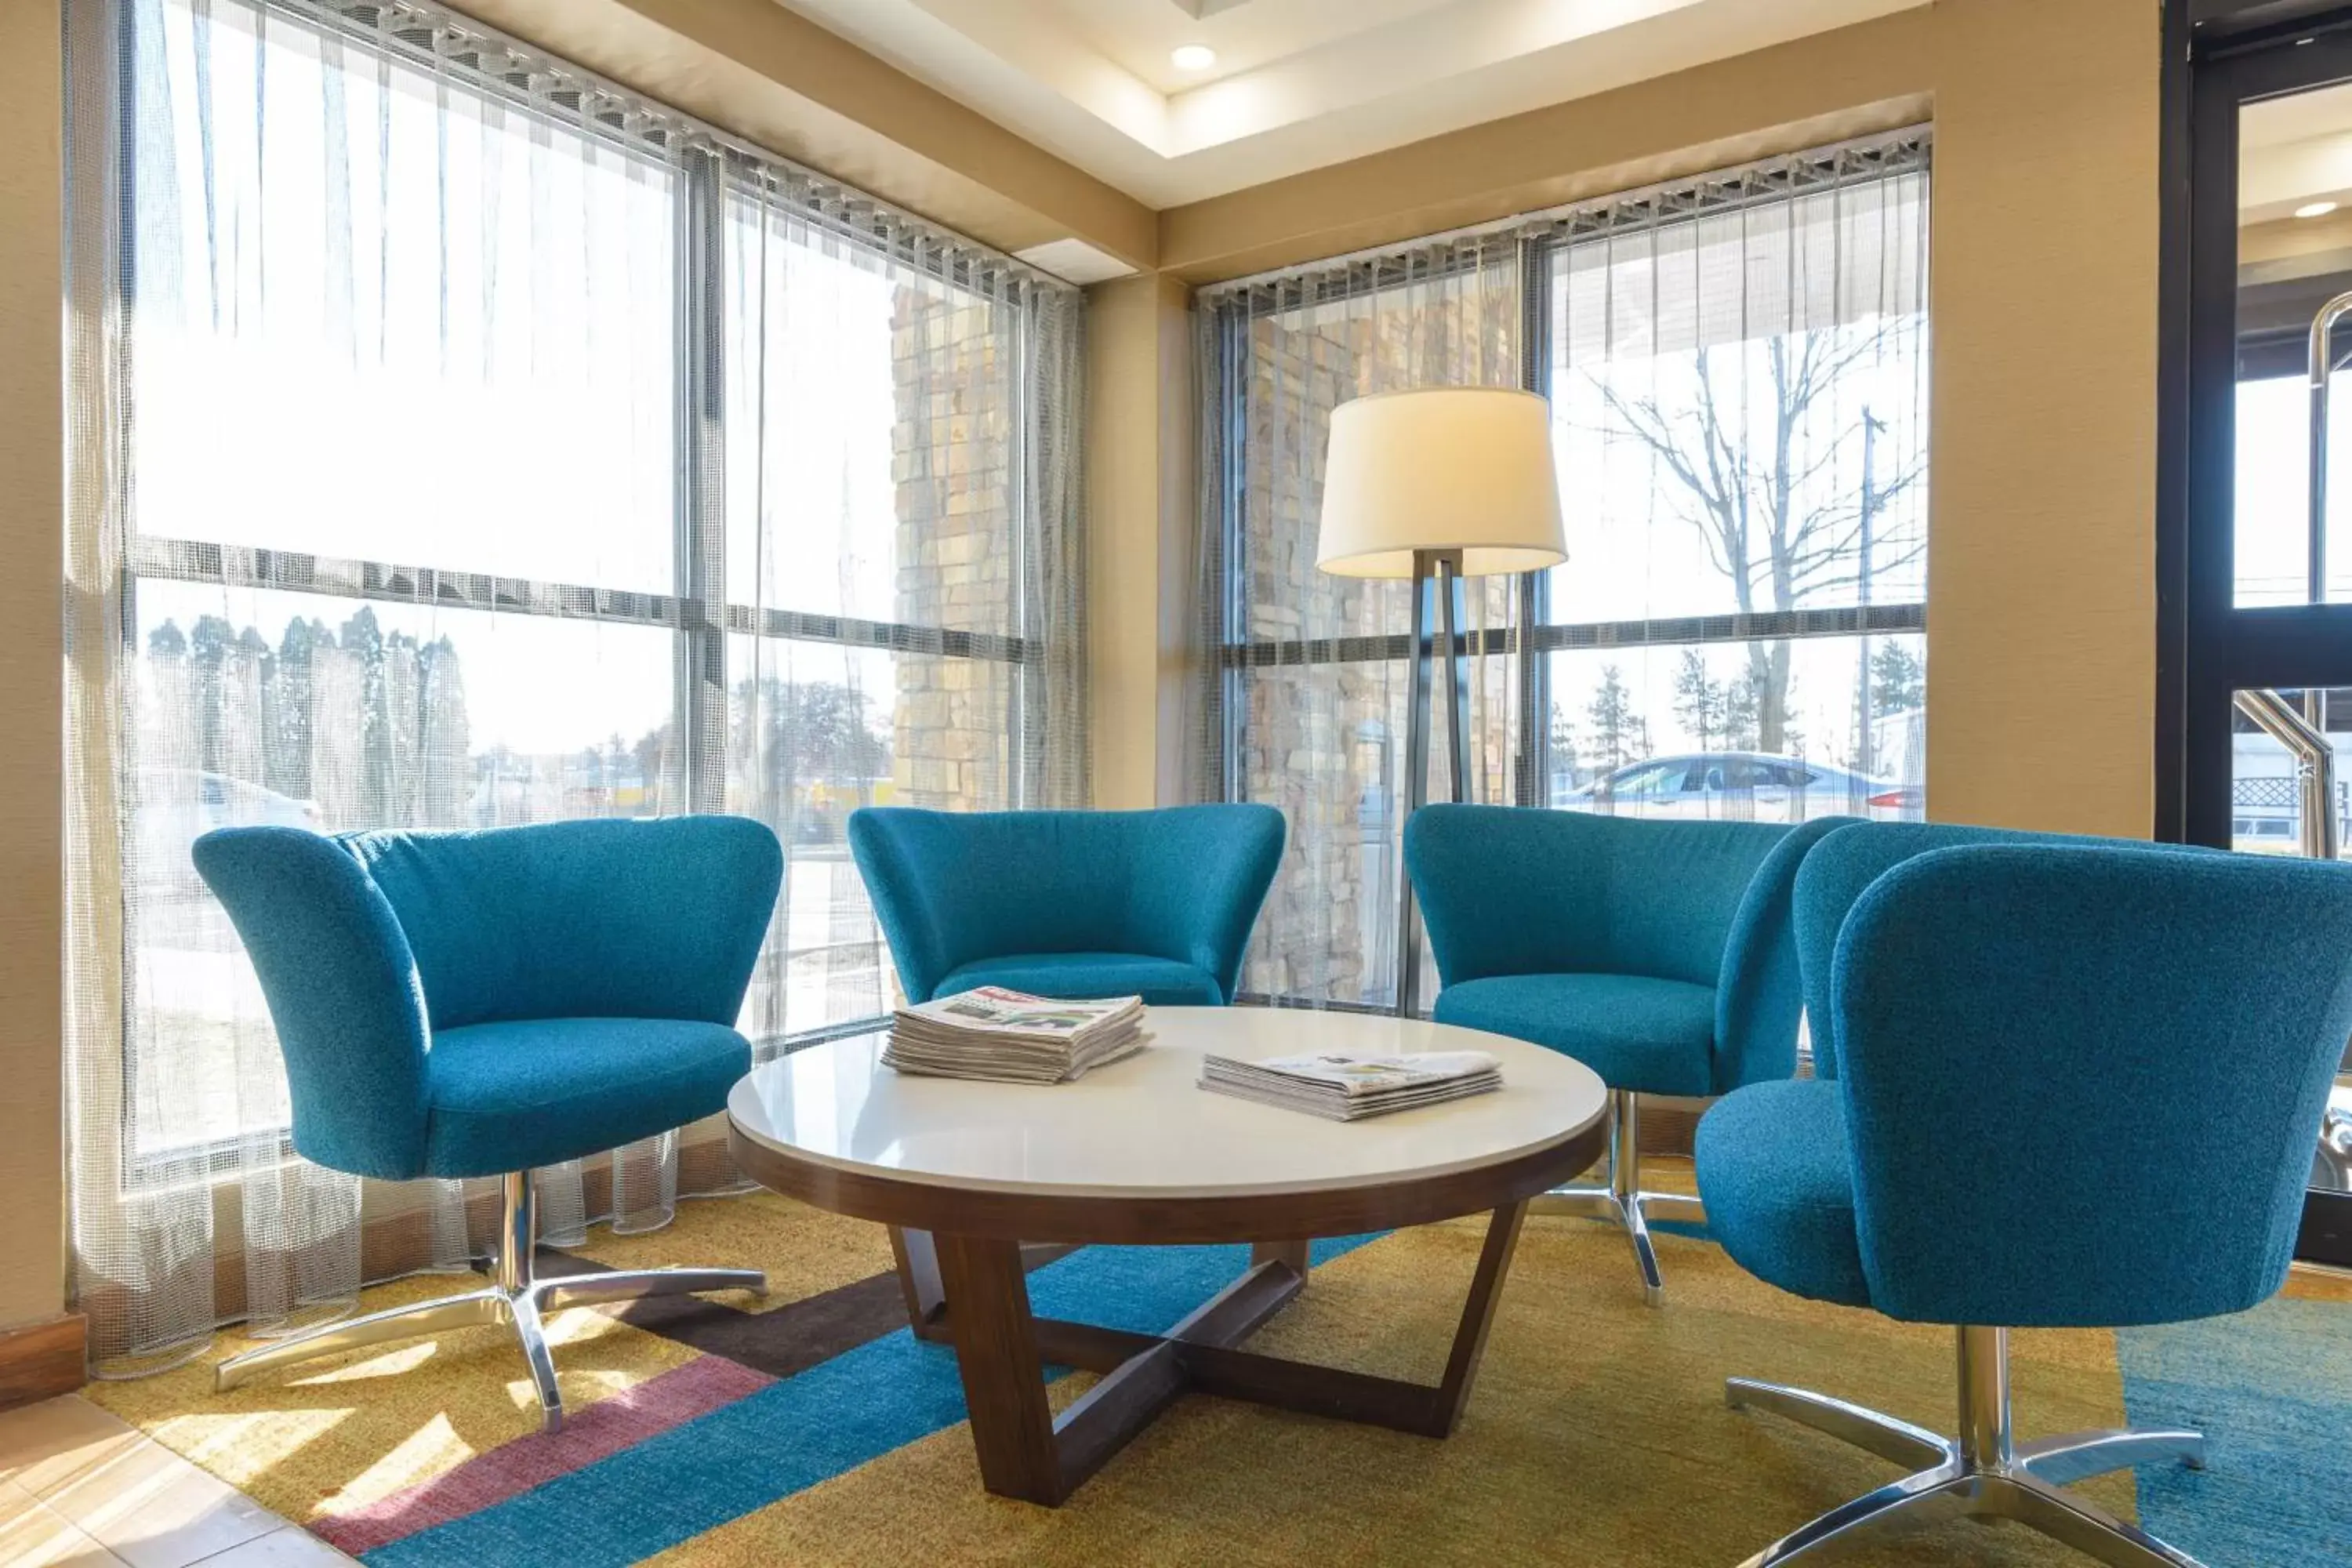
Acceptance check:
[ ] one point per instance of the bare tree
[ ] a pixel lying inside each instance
(1774, 518)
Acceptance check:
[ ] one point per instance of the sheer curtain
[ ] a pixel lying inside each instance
(1305, 706)
(461, 441)
(1737, 369)
(1740, 391)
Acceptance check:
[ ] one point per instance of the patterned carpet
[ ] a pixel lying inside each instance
(812, 1429)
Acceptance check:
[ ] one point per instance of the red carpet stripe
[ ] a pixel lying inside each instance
(603, 1429)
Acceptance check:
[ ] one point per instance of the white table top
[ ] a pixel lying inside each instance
(1140, 1128)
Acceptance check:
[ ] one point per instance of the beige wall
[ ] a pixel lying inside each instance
(2042, 600)
(32, 557)
(2042, 549)
(1140, 534)
(1874, 76)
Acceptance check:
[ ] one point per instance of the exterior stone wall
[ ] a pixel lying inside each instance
(1326, 742)
(951, 465)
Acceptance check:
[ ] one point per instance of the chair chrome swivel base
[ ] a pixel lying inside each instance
(1622, 1201)
(1985, 1471)
(514, 1297)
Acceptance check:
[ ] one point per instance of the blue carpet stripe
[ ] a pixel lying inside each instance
(804, 1429)
(2272, 1390)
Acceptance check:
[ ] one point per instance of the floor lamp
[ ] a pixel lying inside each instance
(1436, 485)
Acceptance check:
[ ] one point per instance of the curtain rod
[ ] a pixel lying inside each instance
(1915, 141)
(436, 38)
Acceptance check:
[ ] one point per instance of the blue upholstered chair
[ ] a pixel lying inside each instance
(479, 1004)
(1857, 854)
(1660, 955)
(2072, 1084)
(1070, 904)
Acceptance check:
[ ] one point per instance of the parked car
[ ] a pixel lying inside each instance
(178, 806)
(1737, 785)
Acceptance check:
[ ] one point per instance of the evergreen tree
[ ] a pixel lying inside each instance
(1560, 748)
(1700, 702)
(1619, 734)
(1898, 681)
(444, 745)
(287, 754)
(403, 729)
(362, 639)
(209, 642)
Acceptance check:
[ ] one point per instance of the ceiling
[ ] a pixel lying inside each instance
(1297, 84)
(2292, 151)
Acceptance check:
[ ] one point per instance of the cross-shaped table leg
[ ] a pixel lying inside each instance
(981, 1300)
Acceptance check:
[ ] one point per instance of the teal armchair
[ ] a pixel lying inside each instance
(1660, 955)
(460, 1005)
(1070, 904)
(2073, 1084)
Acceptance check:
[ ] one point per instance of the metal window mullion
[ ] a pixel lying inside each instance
(1031, 698)
(297, 572)
(1539, 639)
(701, 510)
(1531, 778)
(278, 571)
(1229, 563)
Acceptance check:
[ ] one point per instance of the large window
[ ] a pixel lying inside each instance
(1740, 418)
(1737, 369)
(498, 448)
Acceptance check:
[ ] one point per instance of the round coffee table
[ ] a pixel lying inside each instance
(966, 1174)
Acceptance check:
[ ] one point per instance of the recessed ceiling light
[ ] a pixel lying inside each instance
(2315, 209)
(1192, 57)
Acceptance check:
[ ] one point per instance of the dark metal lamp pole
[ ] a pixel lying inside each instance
(1436, 583)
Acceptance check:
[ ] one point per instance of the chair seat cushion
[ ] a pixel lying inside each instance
(1776, 1174)
(1655, 1036)
(506, 1097)
(1085, 976)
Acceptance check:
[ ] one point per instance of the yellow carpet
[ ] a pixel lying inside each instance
(1597, 1433)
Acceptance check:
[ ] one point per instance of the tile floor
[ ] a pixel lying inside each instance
(80, 1490)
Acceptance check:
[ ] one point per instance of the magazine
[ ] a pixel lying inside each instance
(1345, 1088)
(994, 1034)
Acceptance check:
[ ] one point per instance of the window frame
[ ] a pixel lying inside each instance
(1225, 334)
(709, 172)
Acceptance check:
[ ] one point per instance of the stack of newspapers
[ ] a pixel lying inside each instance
(1349, 1087)
(1011, 1036)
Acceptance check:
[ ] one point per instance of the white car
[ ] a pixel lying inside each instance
(1741, 787)
(178, 806)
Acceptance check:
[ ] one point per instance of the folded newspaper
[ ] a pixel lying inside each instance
(1011, 1036)
(1349, 1087)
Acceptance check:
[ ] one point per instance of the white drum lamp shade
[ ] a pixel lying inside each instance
(1466, 469)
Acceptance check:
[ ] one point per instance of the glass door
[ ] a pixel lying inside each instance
(2259, 680)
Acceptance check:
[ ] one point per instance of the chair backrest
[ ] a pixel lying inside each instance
(1513, 890)
(1846, 862)
(342, 991)
(951, 887)
(607, 917)
(2082, 1082)
(367, 943)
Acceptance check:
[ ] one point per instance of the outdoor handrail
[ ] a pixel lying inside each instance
(2314, 767)
(2320, 326)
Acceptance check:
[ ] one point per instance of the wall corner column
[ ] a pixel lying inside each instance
(1140, 508)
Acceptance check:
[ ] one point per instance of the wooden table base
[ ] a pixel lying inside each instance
(973, 1292)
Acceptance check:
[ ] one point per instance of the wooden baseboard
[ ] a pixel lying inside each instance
(41, 1361)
